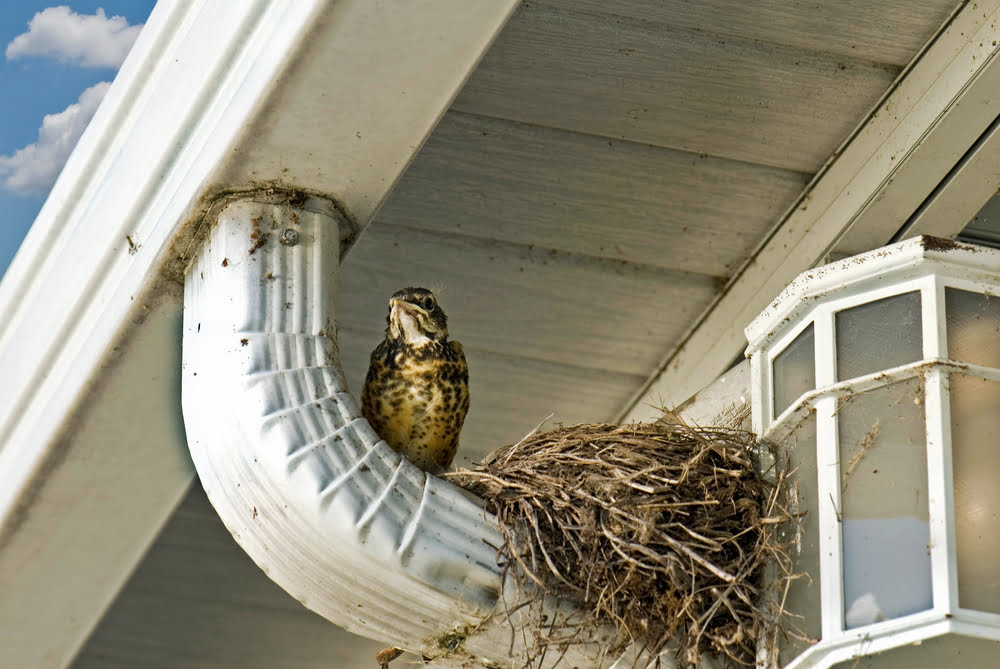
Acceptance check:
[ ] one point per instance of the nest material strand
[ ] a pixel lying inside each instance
(662, 530)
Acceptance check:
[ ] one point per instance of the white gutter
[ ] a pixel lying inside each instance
(216, 97)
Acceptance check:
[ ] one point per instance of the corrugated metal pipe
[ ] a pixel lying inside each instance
(329, 511)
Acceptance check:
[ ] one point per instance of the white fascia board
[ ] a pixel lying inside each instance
(82, 492)
(891, 164)
(166, 121)
(963, 194)
(215, 97)
(102, 492)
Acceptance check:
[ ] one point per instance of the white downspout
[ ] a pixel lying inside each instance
(329, 511)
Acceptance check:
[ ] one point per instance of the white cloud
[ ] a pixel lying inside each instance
(83, 39)
(33, 169)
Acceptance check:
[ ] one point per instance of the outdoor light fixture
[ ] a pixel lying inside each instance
(879, 377)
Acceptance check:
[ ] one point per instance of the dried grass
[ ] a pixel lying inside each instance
(661, 531)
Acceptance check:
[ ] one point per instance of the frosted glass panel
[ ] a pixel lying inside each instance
(975, 447)
(803, 599)
(883, 465)
(973, 327)
(878, 335)
(794, 370)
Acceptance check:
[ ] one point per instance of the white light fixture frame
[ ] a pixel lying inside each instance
(928, 266)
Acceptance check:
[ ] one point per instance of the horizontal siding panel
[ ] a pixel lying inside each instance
(674, 87)
(503, 180)
(198, 601)
(886, 31)
(526, 302)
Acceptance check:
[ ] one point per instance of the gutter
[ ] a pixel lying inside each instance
(334, 97)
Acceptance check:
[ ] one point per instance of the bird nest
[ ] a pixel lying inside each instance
(663, 531)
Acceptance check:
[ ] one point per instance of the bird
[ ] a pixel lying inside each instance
(416, 391)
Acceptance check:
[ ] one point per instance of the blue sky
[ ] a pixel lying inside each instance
(54, 60)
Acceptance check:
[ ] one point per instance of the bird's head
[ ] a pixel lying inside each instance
(416, 317)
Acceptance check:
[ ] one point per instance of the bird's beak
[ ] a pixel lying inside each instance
(405, 307)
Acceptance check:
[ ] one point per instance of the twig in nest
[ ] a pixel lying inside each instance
(661, 531)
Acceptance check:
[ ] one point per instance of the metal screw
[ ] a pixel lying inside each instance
(289, 237)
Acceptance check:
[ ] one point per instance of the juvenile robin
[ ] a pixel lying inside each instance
(416, 393)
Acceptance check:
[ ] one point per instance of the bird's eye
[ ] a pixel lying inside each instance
(428, 303)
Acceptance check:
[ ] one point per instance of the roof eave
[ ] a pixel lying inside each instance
(330, 98)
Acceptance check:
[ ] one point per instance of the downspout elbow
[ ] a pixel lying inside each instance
(328, 510)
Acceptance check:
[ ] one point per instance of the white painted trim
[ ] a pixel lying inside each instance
(103, 196)
(760, 393)
(939, 491)
(775, 430)
(960, 197)
(828, 478)
(891, 634)
(723, 402)
(74, 293)
(972, 283)
(830, 518)
(860, 200)
(935, 330)
(940, 501)
(988, 623)
(874, 639)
